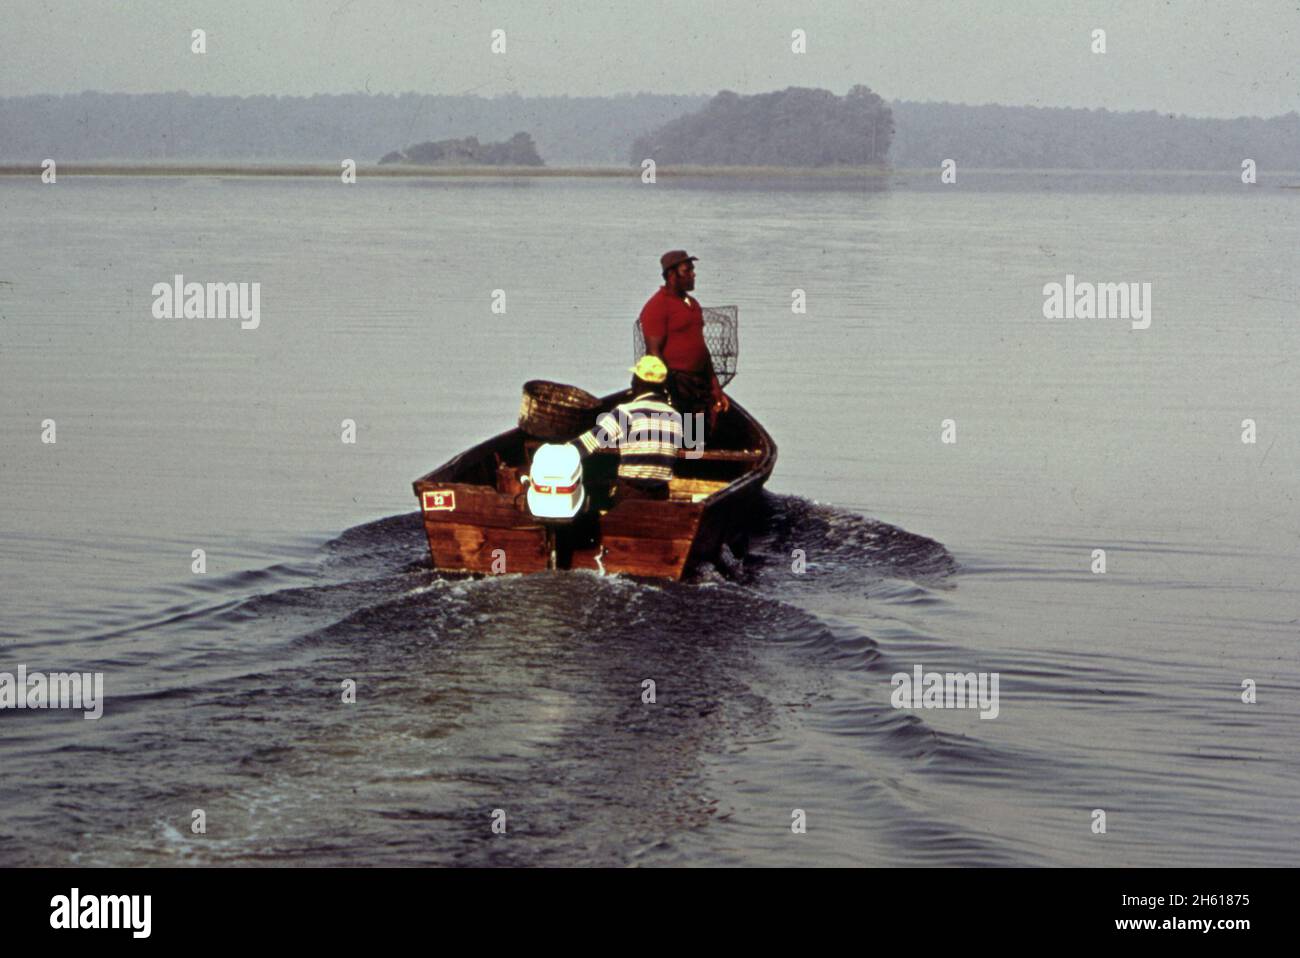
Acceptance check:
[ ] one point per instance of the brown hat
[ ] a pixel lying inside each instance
(674, 257)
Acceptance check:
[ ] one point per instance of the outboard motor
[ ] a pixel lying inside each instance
(555, 492)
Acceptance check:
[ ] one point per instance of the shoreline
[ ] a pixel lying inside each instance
(395, 171)
(324, 169)
(409, 171)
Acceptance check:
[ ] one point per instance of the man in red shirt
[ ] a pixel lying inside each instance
(672, 322)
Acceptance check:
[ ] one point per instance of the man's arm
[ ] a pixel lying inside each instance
(606, 433)
(654, 326)
(720, 401)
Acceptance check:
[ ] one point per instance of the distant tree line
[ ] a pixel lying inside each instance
(1020, 137)
(519, 150)
(797, 126)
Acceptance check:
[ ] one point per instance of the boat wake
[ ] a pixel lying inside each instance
(796, 541)
(527, 693)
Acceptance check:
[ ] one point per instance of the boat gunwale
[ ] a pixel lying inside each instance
(762, 467)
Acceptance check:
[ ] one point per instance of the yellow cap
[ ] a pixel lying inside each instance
(650, 369)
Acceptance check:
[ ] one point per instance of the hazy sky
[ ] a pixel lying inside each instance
(1221, 58)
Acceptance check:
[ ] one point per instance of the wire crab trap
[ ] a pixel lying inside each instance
(721, 336)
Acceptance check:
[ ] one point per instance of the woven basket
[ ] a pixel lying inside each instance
(555, 411)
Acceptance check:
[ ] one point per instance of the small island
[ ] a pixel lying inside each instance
(795, 127)
(519, 150)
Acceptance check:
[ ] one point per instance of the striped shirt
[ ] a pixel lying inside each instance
(647, 432)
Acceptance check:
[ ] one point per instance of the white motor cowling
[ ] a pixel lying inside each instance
(555, 489)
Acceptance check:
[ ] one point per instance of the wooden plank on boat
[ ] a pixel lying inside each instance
(459, 546)
(636, 555)
(722, 455)
(648, 519)
(706, 455)
(481, 505)
(687, 490)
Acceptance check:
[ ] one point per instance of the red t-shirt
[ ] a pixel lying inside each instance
(682, 321)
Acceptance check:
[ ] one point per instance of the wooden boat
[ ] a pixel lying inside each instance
(477, 519)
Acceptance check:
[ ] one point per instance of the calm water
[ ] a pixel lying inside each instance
(1118, 691)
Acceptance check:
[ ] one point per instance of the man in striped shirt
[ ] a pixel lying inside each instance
(646, 430)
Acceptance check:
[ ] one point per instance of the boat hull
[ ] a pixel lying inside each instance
(476, 518)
